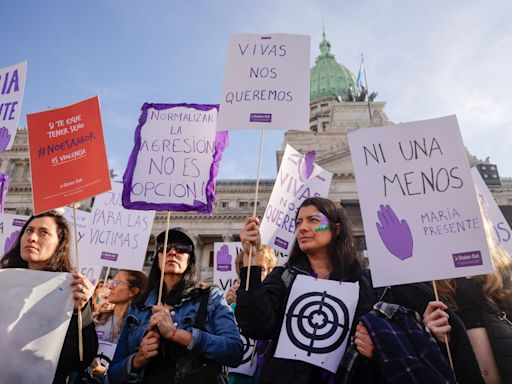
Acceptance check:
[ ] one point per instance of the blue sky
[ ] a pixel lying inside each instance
(426, 59)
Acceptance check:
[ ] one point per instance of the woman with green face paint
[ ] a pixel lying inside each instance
(324, 248)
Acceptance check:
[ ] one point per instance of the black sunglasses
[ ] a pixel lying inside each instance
(178, 247)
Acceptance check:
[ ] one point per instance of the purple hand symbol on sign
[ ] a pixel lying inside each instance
(5, 138)
(10, 241)
(395, 234)
(223, 259)
(306, 165)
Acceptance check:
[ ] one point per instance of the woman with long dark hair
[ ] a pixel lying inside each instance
(325, 249)
(186, 338)
(43, 244)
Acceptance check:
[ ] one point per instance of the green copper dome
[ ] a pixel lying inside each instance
(328, 77)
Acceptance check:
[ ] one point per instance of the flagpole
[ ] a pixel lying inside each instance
(367, 90)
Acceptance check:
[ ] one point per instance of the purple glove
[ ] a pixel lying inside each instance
(10, 241)
(306, 166)
(223, 259)
(5, 138)
(396, 235)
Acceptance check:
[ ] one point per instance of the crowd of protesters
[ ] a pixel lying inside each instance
(190, 332)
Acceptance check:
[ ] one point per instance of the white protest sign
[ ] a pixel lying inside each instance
(89, 264)
(298, 178)
(248, 364)
(12, 86)
(224, 270)
(418, 202)
(36, 309)
(118, 236)
(493, 212)
(175, 159)
(316, 326)
(106, 349)
(224, 276)
(10, 227)
(266, 83)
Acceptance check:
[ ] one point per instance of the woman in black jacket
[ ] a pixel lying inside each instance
(325, 249)
(44, 244)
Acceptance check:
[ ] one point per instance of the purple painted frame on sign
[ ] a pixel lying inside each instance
(221, 142)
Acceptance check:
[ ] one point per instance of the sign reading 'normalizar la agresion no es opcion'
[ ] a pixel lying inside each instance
(175, 159)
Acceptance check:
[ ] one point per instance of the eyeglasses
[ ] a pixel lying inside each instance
(178, 247)
(115, 283)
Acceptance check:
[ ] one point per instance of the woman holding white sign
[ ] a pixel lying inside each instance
(325, 249)
(185, 340)
(44, 244)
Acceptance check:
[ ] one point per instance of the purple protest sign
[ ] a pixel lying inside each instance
(12, 86)
(175, 158)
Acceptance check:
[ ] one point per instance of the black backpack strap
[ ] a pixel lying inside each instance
(202, 311)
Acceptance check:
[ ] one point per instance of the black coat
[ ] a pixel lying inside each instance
(260, 313)
(69, 359)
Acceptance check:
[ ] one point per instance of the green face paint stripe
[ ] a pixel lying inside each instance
(323, 227)
(325, 223)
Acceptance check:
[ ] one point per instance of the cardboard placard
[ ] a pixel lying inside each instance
(175, 159)
(12, 87)
(68, 162)
(418, 202)
(266, 83)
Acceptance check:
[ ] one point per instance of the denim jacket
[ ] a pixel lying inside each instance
(221, 342)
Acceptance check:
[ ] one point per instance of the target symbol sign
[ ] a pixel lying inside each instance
(317, 322)
(248, 347)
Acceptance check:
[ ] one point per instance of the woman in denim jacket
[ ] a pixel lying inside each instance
(155, 338)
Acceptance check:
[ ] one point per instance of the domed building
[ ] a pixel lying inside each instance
(330, 79)
(337, 106)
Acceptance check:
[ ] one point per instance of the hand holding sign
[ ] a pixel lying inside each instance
(5, 138)
(395, 234)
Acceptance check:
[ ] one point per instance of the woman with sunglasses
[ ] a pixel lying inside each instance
(193, 326)
(44, 244)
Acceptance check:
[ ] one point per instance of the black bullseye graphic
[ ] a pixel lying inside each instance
(248, 347)
(313, 322)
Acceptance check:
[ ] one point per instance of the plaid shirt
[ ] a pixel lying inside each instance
(403, 349)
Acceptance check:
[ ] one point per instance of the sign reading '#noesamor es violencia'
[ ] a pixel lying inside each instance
(418, 202)
(175, 159)
(68, 161)
(266, 83)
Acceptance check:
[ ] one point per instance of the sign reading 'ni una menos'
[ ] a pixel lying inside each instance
(418, 202)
